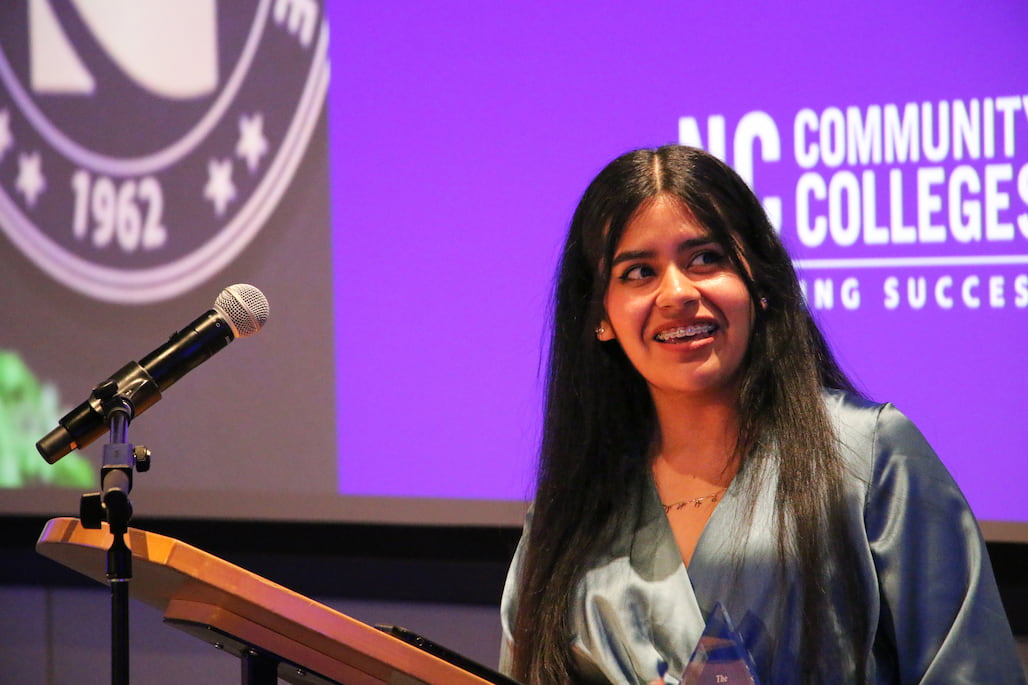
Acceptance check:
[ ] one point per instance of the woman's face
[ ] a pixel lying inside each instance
(676, 303)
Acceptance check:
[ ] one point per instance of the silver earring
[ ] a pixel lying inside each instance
(600, 330)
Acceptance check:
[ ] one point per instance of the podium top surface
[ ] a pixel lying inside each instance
(186, 583)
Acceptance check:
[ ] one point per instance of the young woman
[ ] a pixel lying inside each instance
(701, 447)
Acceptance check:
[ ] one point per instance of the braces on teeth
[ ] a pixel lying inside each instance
(686, 331)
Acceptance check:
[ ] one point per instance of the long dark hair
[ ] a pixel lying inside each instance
(599, 418)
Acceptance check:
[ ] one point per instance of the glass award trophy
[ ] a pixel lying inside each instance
(720, 657)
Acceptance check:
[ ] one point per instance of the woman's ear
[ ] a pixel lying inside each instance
(604, 332)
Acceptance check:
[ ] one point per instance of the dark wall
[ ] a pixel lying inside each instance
(441, 564)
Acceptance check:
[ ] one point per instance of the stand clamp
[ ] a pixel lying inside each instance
(112, 504)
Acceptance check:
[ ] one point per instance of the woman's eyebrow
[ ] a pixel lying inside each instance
(632, 255)
(684, 246)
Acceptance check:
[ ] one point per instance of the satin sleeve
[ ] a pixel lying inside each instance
(509, 601)
(941, 608)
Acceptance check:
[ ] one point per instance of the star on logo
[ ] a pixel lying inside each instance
(5, 133)
(252, 145)
(219, 189)
(31, 181)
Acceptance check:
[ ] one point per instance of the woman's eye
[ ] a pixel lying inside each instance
(707, 258)
(636, 273)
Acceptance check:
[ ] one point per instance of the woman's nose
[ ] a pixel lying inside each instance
(676, 289)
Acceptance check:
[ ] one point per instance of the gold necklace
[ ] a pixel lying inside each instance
(695, 501)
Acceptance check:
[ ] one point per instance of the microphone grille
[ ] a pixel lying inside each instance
(245, 307)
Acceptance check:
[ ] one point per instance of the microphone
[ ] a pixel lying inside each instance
(239, 311)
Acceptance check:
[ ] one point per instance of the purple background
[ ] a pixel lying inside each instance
(462, 135)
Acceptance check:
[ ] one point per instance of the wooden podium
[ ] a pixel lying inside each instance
(271, 628)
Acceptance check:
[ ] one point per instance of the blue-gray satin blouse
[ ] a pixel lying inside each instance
(931, 600)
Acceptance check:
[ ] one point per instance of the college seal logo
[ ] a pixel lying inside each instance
(144, 144)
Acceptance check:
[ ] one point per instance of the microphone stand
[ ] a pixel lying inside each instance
(112, 504)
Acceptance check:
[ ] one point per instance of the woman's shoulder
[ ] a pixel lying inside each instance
(839, 401)
(862, 428)
(876, 439)
(859, 421)
(855, 420)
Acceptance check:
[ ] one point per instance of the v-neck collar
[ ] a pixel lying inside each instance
(713, 537)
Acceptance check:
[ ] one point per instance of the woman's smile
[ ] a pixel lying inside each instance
(686, 333)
